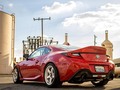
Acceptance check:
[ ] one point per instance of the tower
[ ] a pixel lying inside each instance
(66, 40)
(7, 30)
(108, 45)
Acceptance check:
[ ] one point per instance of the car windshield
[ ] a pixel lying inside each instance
(66, 47)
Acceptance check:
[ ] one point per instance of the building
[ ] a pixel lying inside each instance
(108, 45)
(66, 40)
(34, 42)
(7, 33)
(117, 68)
(117, 62)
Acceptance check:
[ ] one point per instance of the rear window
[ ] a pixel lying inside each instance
(66, 47)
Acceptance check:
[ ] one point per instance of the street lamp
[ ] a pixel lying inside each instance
(42, 26)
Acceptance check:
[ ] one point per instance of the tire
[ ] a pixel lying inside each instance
(16, 76)
(51, 76)
(100, 83)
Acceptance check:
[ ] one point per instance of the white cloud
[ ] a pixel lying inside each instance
(18, 52)
(1, 7)
(58, 7)
(111, 7)
(107, 17)
(10, 4)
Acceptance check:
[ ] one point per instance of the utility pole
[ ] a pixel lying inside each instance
(42, 26)
(95, 40)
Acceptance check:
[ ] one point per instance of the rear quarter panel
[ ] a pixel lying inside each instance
(66, 66)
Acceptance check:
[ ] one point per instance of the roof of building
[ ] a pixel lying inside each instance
(107, 42)
(6, 13)
(117, 60)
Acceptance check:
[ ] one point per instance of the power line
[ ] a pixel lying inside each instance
(41, 25)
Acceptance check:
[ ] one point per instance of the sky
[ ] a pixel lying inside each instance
(81, 19)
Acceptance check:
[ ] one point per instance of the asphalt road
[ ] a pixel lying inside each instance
(7, 84)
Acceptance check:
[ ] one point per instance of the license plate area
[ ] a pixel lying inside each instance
(99, 69)
(102, 76)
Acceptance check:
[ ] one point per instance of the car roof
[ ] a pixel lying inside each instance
(65, 47)
(60, 47)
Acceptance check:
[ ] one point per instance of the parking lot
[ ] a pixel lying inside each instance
(7, 84)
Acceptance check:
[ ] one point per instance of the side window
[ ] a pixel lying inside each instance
(46, 51)
(37, 53)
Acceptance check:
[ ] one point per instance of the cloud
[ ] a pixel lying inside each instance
(18, 52)
(111, 7)
(1, 7)
(10, 4)
(58, 7)
(107, 17)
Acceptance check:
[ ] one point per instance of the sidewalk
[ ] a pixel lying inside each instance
(6, 79)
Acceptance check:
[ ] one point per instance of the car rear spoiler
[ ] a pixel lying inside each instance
(90, 50)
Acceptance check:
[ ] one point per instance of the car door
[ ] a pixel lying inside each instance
(30, 68)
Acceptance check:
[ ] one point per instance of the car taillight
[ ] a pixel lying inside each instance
(72, 55)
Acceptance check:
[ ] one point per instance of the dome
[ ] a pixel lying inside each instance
(107, 42)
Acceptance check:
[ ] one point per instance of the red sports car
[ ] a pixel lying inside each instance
(55, 64)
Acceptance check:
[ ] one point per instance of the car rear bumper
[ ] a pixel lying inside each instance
(85, 75)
